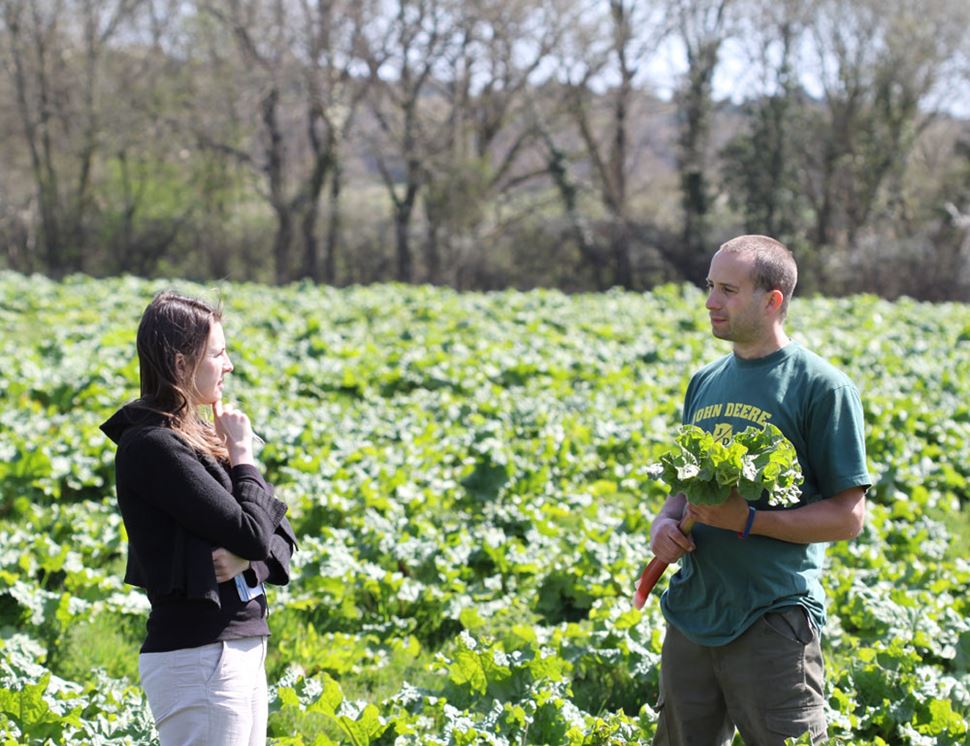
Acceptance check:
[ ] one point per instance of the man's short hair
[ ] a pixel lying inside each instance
(774, 265)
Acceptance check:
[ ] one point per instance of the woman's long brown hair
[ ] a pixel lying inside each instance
(174, 325)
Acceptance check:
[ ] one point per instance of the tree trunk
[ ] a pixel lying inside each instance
(276, 178)
(282, 241)
(557, 164)
(402, 226)
(333, 224)
(823, 212)
(432, 254)
(311, 248)
(38, 141)
(694, 138)
(620, 246)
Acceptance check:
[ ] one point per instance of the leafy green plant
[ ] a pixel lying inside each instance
(754, 462)
(468, 478)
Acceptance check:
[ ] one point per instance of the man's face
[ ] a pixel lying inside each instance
(738, 310)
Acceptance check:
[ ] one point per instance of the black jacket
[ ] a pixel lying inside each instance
(178, 504)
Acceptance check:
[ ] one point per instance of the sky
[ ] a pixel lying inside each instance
(736, 79)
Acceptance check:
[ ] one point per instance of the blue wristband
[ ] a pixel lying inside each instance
(750, 522)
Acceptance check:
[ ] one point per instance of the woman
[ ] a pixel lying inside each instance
(204, 531)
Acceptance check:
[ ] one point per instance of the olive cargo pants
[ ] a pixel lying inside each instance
(768, 682)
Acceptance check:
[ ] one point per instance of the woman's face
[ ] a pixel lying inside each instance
(212, 367)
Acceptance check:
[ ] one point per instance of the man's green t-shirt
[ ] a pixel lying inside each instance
(727, 583)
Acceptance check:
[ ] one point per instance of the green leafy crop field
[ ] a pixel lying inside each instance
(468, 476)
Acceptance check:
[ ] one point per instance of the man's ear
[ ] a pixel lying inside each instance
(775, 300)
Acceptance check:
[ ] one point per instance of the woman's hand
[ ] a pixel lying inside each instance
(233, 425)
(227, 565)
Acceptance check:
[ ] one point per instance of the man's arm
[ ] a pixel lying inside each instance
(666, 540)
(837, 518)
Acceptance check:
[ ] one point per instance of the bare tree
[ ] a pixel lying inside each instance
(759, 165)
(403, 55)
(55, 58)
(606, 55)
(335, 40)
(296, 61)
(702, 27)
(878, 63)
(488, 76)
(559, 167)
(146, 190)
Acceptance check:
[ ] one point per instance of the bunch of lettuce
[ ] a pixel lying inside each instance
(754, 461)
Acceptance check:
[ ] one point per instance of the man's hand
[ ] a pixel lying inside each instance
(227, 565)
(732, 514)
(667, 542)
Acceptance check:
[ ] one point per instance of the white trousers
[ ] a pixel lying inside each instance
(214, 695)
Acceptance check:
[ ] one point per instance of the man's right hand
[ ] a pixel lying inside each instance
(667, 542)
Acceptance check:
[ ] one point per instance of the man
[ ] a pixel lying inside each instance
(745, 609)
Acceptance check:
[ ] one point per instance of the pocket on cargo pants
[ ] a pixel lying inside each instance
(773, 679)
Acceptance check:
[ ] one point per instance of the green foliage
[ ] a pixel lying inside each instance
(754, 462)
(25, 711)
(469, 479)
(762, 181)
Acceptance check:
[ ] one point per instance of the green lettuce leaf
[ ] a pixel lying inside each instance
(755, 461)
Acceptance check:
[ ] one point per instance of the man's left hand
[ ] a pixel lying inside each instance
(732, 514)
